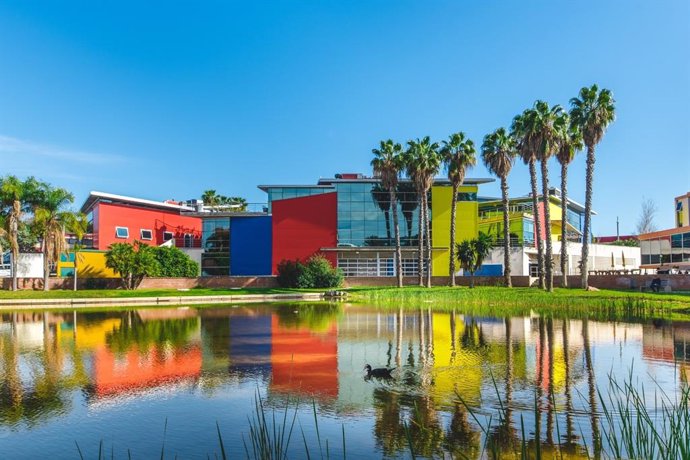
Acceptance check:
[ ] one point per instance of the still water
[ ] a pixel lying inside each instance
(137, 382)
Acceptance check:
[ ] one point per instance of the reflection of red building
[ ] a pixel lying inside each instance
(304, 361)
(134, 370)
(122, 219)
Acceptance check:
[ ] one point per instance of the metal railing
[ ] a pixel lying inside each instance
(524, 208)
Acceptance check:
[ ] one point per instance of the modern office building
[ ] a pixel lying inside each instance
(669, 249)
(349, 220)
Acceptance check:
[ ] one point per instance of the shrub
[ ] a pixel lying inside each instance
(317, 272)
(174, 263)
(131, 262)
(289, 273)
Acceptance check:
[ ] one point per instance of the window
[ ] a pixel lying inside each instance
(188, 240)
(122, 232)
(167, 236)
(146, 234)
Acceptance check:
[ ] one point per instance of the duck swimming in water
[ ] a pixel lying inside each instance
(379, 373)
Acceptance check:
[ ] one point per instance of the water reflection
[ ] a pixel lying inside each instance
(539, 371)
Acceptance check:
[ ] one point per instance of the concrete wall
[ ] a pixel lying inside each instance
(29, 265)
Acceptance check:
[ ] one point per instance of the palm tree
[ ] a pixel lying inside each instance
(498, 153)
(471, 254)
(16, 198)
(569, 143)
(519, 130)
(592, 112)
(51, 221)
(77, 224)
(422, 163)
(458, 154)
(544, 122)
(387, 164)
(211, 199)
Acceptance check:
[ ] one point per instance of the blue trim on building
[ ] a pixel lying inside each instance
(250, 246)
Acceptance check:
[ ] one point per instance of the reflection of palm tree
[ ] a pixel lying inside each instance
(461, 439)
(453, 337)
(383, 201)
(388, 427)
(591, 382)
(398, 347)
(570, 436)
(549, 397)
(505, 437)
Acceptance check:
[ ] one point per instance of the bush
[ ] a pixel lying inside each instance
(320, 274)
(289, 273)
(317, 272)
(174, 263)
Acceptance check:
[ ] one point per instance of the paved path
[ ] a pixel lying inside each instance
(34, 304)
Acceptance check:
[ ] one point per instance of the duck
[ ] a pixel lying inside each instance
(379, 373)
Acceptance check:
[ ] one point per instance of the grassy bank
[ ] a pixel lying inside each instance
(604, 304)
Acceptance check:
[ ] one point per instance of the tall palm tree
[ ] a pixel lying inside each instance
(544, 123)
(592, 112)
(498, 153)
(52, 220)
(570, 141)
(423, 163)
(387, 164)
(16, 198)
(458, 155)
(520, 131)
(211, 199)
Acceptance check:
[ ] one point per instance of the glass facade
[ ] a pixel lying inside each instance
(666, 250)
(365, 216)
(282, 193)
(215, 260)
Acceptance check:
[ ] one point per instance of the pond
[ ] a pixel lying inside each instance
(149, 381)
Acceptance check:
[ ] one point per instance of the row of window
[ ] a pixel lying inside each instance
(146, 234)
(376, 267)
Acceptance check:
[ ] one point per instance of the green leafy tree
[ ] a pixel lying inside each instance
(211, 199)
(520, 130)
(17, 197)
(51, 220)
(422, 163)
(132, 262)
(387, 165)
(498, 154)
(471, 254)
(458, 155)
(570, 142)
(592, 111)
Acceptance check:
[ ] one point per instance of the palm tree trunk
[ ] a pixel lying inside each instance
(537, 222)
(506, 233)
(548, 259)
(588, 215)
(420, 239)
(427, 237)
(46, 266)
(14, 243)
(451, 265)
(396, 228)
(564, 225)
(76, 256)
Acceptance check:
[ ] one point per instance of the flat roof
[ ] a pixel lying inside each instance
(662, 233)
(326, 183)
(95, 196)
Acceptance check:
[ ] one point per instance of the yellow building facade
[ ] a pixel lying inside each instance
(466, 223)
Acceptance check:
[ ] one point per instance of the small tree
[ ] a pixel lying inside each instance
(645, 223)
(471, 254)
(131, 262)
(174, 263)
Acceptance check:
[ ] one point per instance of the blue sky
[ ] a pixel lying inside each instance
(166, 100)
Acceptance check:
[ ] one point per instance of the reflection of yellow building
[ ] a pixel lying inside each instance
(465, 222)
(91, 264)
(460, 371)
(90, 336)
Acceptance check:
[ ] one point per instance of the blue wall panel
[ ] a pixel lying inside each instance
(488, 270)
(250, 246)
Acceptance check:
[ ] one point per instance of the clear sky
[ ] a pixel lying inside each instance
(166, 100)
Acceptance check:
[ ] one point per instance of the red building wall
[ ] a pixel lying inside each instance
(107, 216)
(302, 226)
